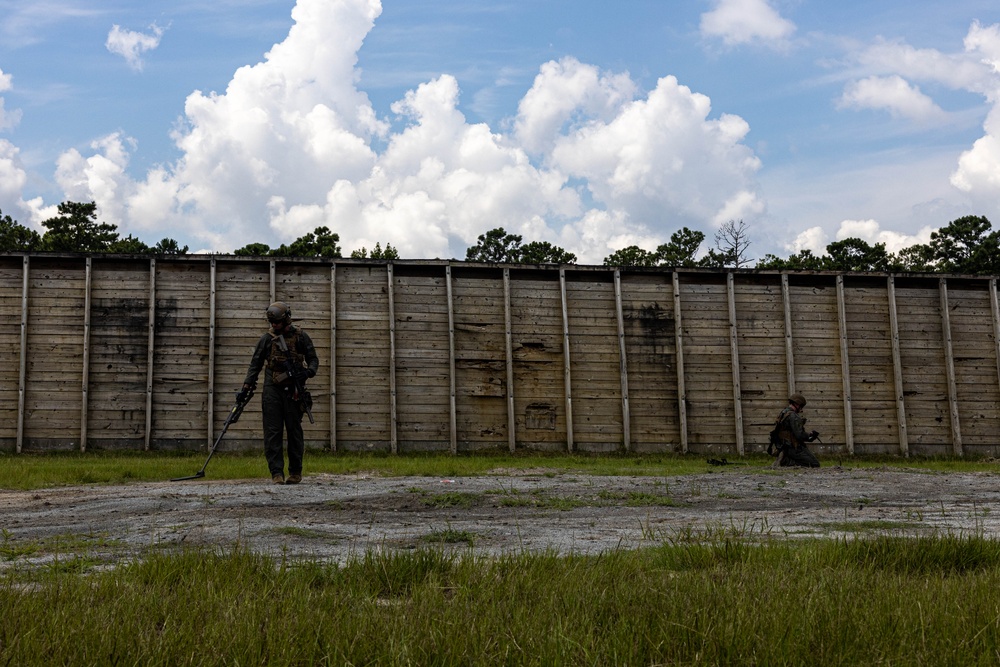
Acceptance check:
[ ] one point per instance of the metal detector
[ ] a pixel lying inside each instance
(234, 416)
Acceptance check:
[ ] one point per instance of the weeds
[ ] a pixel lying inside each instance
(711, 600)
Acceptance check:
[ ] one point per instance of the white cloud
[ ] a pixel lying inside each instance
(746, 21)
(8, 119)
(892, 94)
(814, 239)
(870, 232)
(590, 163)
(130, 44)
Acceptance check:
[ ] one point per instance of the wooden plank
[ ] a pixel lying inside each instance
(21, 382)
(995, 308)
(949, 360)
(623, 364)
(452, 399)
(211, 353)
(393, 417)
(734, 362)
(897, 368)
(845, 365)
(679, 347)
(333, 357)
(272, 269)
(150, 354)
(84, 402)
(511, 422)
(786, 300)
(567, 373)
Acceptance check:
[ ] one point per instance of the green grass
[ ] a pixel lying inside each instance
(29, 471)
(877, 600)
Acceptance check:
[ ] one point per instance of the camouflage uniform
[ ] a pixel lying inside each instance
(792, 434)
(280, 410)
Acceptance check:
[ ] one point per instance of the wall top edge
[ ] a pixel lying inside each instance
(458, 264)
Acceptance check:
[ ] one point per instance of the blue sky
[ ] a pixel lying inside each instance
(591, 125)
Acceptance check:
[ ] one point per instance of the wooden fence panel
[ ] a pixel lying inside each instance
(650, 341)
(242, 295)
(539, 380)
(180, 358)
(11, 282)
(975, 367)
(818, 370)
(594, 358)
(54, 378)
(363, 413)
(925, 376)
(480, 359)
(306, 290)
(708, 363)
(873, 396)
(760, 323)
(422, 368)
(119, 351)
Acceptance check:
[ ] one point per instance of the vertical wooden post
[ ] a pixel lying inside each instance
(786, 299)
(333, 357)
(897, 369)
(949, 361)
(623, 364)
(84, 402)
(393, 435)
(679, 348)
(272, 271)
(150, 353)
(734, 355)
(23, 366)
(452, 402)
(511, 421)
(995, 307)
(845, 365)
(567, 377)
(211, 353)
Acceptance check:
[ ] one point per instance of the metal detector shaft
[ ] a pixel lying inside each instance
(234, 416)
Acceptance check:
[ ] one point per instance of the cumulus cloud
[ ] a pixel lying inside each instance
(8, 119)
(589, 162)
(130, 44)
(978, 172)
(738, 22)
(816, 239)
(870, 231)
(893, 94)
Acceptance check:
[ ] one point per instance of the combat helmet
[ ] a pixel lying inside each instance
(797, 399)
(279, 312)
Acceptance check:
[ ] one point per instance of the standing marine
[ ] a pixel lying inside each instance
(287, 356)
(790, 437)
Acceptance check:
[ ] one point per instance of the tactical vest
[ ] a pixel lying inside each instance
(276, 361)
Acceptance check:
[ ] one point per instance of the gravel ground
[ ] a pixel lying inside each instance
(337, 517)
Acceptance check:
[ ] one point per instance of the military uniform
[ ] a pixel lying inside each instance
(281, 412)
(792, 435)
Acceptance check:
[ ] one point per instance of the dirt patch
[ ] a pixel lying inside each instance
(336, 517)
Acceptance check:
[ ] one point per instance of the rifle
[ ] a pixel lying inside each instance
(242, 399)
(295, 371)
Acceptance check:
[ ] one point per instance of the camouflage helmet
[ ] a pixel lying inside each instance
(797, 399)
(279, 312)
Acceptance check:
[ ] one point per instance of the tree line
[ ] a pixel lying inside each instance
(967, 245)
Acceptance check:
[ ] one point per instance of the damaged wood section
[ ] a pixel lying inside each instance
(113, 352)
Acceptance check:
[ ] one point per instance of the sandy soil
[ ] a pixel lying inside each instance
(334, 517)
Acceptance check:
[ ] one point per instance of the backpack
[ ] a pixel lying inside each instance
(774, 443)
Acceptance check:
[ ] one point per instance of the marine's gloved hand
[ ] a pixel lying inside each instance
(813, 435)
(310, 372)
(242, 395)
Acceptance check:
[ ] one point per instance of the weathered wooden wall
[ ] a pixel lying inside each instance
(130, 352)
